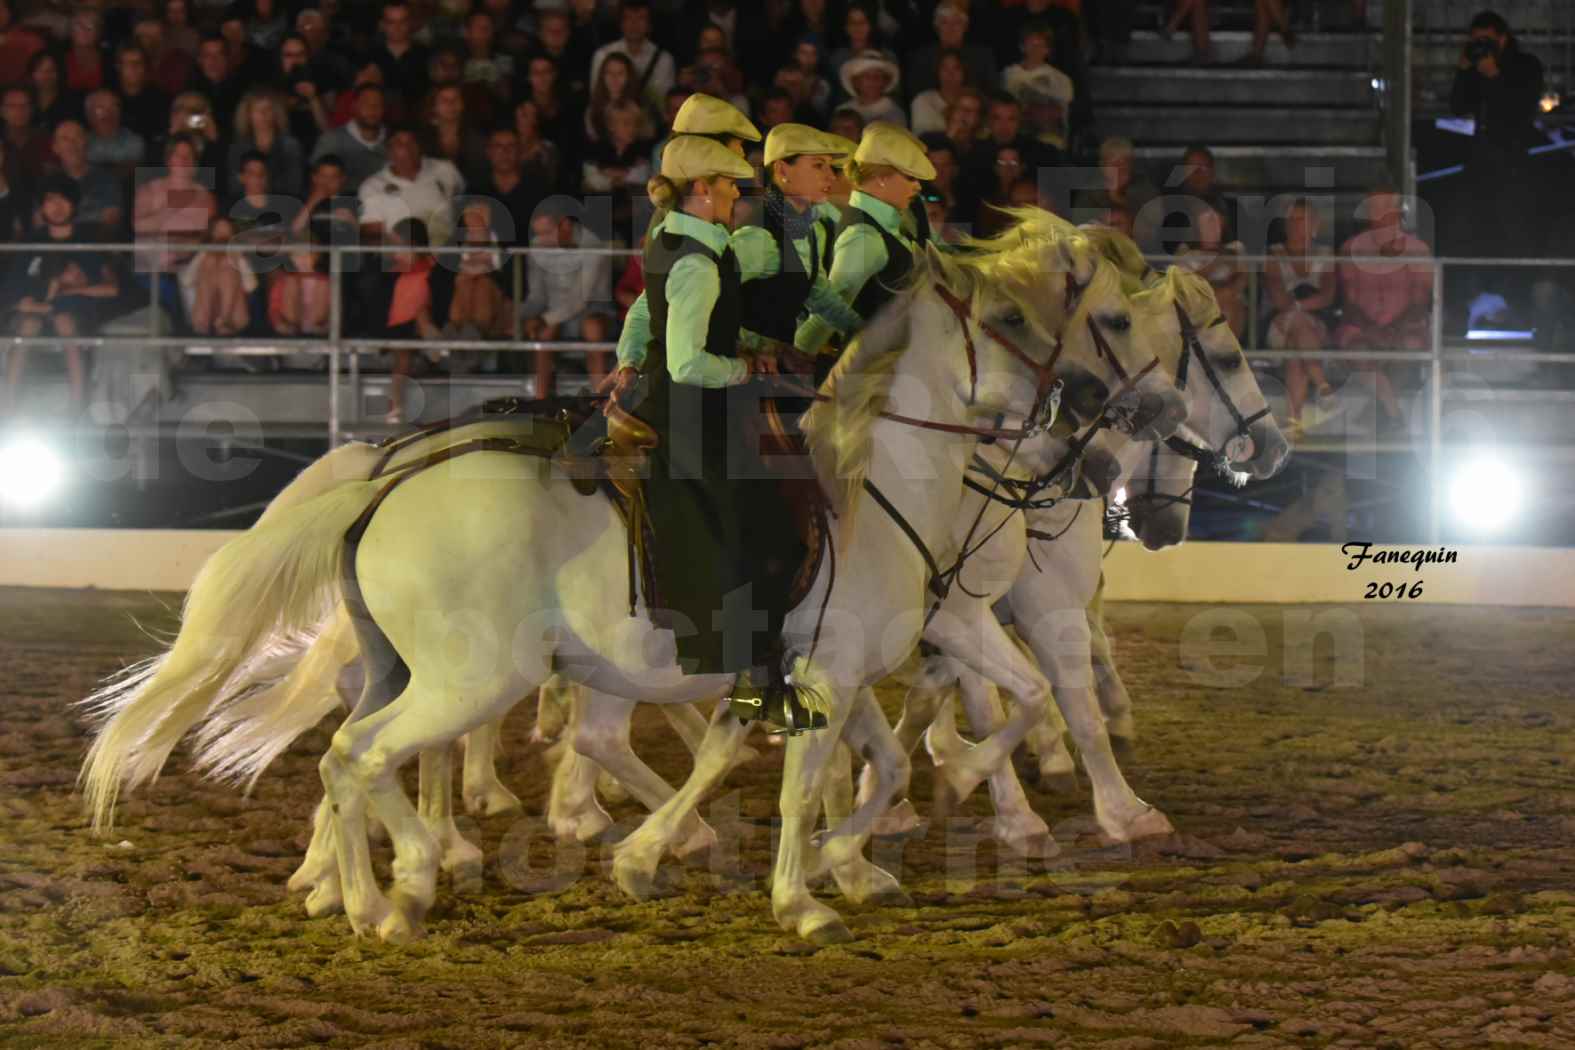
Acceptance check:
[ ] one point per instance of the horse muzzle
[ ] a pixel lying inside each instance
(1148, 416)
(1165, 529)
(1270, 451)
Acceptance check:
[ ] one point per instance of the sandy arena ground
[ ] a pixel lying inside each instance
(1386, 864)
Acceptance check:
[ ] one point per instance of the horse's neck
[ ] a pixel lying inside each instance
(919, 470)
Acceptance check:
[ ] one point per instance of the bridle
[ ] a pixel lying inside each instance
(1214, 459)
(1192, 346)
(1047, 388)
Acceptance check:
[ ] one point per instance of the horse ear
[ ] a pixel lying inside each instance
(1071, 258)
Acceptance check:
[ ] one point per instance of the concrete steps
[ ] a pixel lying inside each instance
(1241, 125)
(1355, 51)
(1293, 165)
(1225, 86)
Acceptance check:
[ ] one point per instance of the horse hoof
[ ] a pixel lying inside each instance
(584, 829)
(463, 869)
(1150, 824)
(1058, 782)
(493, 802)
(307, 877)
(397, 928)
(833, 931)
(900, 819)
(700, 842)
(895, 897)
(325, 899)
(609, 788)
(635, 881)
(1041, 844)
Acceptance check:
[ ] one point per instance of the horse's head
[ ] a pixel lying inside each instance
(1054, 310)
(1226, 408)
(1159, 495)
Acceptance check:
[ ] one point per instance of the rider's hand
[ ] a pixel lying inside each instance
(763, 365)
(796, 362)
(616, 386)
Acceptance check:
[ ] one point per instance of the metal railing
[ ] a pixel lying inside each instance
(336, 344)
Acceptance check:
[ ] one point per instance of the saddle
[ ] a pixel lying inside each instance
(617, 468)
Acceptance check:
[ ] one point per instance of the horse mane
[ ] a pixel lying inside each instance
(1193, 291)
(839, 428)
(1185, 286)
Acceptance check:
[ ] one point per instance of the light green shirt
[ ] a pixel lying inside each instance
(860, 254)
(756, 251)
(693, 286)
(758, 258)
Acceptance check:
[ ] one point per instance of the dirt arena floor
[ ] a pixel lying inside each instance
(1375, 851)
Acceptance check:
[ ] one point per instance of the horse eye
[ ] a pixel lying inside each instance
(1228, 362)
(1014, 320)
(1119, 323)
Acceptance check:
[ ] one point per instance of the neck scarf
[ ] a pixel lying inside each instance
(781, 215)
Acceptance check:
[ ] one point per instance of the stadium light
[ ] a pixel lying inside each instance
(1485, 493)
(30, 473)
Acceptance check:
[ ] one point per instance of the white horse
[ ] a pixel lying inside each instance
(1049, 595)
(424, 580)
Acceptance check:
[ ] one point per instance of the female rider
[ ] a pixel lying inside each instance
(715, 566)
(873, 252)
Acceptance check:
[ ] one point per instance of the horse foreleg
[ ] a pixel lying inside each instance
(690, 725)
(920, 706)
(804, 767)
(1016, 824)
(842, 849)
(601, 734)
(1060, 640)
(1114, 701)
(635, 858)
(973, 636)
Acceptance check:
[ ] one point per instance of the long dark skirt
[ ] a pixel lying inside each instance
(725, 546)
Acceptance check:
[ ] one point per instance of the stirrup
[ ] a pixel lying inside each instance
(777, 705)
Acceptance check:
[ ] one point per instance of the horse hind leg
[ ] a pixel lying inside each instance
(366, 685)
(460, 858)
(483, 792)
(369, 753)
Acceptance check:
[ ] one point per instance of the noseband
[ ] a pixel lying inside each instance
(1215, 460)
(1193, 347)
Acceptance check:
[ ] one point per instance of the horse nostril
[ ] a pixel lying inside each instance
(1101, 469)
(1150, 406)
(1161, 533)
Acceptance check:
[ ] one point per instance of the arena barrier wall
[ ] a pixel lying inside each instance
(1222, 573)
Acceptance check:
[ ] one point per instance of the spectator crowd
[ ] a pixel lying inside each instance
(483, 125)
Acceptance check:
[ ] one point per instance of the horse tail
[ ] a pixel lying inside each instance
(257, 593)
(240, 740)
(354, 461)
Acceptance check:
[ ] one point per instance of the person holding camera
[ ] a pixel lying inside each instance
(1500, 86)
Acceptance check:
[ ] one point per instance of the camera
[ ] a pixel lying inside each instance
(1480, 48)
(196, 121)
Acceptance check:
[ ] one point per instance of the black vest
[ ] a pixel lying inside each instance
(772, 304)
(828, 242)
(881, 287)
(662, 253)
